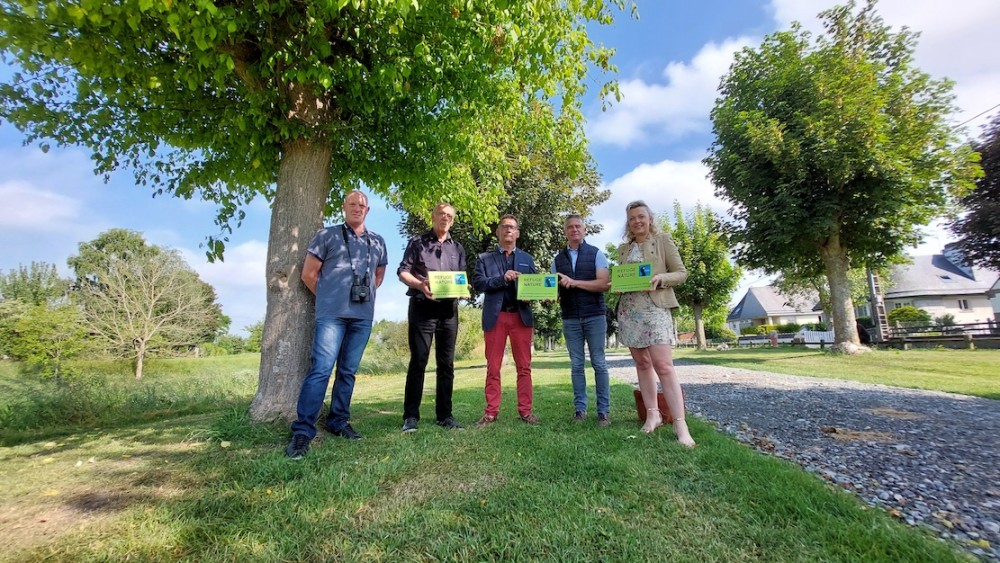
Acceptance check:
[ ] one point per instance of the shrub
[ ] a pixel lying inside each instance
(788, 327)
(908, 313)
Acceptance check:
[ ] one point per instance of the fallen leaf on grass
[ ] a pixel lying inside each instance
(50, 493)
(224, 444)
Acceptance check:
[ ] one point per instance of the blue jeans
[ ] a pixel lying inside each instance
(337, 341)
(593, 331)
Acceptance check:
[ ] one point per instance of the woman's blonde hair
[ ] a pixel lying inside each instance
(653, 228)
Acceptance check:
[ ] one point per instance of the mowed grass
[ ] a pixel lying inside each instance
(970, 372)
(211, 486)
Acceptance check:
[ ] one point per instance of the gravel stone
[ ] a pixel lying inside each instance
(928, 456)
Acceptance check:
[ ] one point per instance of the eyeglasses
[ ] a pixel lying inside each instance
(508, 227)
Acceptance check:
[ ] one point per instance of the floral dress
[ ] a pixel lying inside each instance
(640, 322)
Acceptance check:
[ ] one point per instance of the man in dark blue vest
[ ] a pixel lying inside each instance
(583, 279)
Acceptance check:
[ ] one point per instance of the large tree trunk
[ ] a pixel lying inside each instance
(296, 215)
(845, 333)
(699, 327)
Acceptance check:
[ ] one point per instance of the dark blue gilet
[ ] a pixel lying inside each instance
(578, 303)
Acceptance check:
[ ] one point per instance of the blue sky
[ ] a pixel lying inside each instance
(649, 145)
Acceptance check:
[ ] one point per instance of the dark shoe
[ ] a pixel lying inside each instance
(530, 418)
(580, 415)
(603, 421)
(486, 420)
(449, 424)
(410, 425)
(347, 432)
(299, 447)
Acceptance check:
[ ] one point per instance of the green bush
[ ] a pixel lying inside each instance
(719, 333)
(788, 327)
(211, 349)
(908, 313)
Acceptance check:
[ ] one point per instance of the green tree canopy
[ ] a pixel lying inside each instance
(705, 252)
(833, 151)
(979, 229)
(140, 299)
(36, 284)
(301, 102)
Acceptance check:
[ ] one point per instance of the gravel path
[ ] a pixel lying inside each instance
(930, 458)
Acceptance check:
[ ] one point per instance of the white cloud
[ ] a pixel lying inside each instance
(30, 208)
(659, 185)
(955, 42)
(677, 107)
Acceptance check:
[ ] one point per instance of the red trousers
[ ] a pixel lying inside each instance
(508, 325)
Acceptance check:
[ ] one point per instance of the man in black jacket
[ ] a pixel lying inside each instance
(583, 279)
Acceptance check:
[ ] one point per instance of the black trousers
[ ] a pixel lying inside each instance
(438, 321)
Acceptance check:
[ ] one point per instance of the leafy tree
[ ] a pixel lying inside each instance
(908, 313)
(34, 285)
(705, 253)
(46, 336)
(141, 299)
(10, 313)
(833, 150)
(979, 229)
(255, 334)
(299, 102)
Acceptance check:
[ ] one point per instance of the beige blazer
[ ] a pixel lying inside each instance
(660, 251)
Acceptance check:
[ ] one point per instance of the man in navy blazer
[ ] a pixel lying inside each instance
(504, 317)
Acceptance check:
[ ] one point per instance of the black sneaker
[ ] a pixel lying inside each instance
(603, 421)
(299, 447)
(580, 415)
(448, 424)
(346, 432)
(410, 425)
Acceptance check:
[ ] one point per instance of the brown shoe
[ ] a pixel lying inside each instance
(530, 418)
(487, 419)
(603, 421)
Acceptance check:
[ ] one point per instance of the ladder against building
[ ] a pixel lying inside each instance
(878, 308)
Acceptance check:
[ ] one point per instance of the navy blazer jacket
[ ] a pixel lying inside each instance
(487, 279)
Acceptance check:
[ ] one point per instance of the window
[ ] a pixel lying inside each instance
(963, 304)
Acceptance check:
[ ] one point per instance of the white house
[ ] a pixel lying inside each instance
(767, 306)
(943, 284)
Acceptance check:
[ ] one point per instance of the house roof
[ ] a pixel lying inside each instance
(767, 301)
(937, 275)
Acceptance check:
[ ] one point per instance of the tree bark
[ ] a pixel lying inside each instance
(296, 215)
(845, 333)
(140, 355)
(699, 327)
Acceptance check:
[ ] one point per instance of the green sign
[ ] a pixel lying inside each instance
(537, 287)
(449, 285)
(632, 277)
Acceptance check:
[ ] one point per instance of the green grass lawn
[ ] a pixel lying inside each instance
(970, 372)
(207, 485)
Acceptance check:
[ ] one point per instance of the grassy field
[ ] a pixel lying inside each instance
(205, 484)
(975, 372)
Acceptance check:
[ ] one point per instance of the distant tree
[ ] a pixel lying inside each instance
(48, 335)
(299, 102)
(705, 252)
(254, 334)
(34, 285)
(979, 229)
(141, 299)
(10, 313)
(833, 150)
(908, 313)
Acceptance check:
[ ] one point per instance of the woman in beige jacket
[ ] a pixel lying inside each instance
(645, 323)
